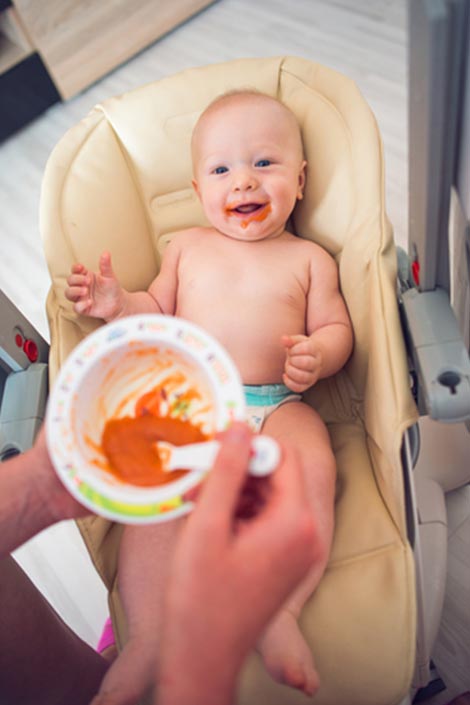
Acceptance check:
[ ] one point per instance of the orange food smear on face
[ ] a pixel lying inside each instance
(257, 216)
(129, 445)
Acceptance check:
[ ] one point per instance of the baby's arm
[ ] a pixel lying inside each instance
(100, 294)
(329, 340)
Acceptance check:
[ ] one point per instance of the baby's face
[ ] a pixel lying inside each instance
(248, 166)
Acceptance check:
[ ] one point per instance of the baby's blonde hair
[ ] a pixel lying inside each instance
(244, 93)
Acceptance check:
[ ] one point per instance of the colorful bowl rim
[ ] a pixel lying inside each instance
(125, 502)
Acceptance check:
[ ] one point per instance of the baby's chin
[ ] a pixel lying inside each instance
(252, 231)
(247, 234)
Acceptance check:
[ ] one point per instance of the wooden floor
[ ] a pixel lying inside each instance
(365, 39)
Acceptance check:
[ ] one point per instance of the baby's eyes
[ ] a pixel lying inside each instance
(220, 170)
(224, 169)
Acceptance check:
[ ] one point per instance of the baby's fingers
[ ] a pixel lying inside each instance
(75, 293)
(82, 306)
(302, 348)
(78, 287)
(298, 377)
(294, 386)
(306, 363)
(76, 279)
(105, 265)
(78, 268)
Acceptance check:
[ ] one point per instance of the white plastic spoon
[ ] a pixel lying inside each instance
(265, 456)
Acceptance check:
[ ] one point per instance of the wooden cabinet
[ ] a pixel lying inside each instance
(14, 43)
(26, 89)
(69, 44)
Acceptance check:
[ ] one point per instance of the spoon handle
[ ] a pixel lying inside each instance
(265, 456)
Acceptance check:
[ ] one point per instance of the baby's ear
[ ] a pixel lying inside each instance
(302, 179)
(195, 187)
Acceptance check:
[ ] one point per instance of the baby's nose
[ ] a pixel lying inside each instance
(244, 180)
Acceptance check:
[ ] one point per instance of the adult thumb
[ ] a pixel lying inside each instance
(221, 490)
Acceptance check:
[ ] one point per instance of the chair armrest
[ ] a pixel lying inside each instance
(438, 354)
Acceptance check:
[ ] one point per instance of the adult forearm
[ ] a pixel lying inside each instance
(187, 684)
(23, 511)
(200, 660)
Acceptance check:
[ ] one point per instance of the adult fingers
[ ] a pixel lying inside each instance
(286, 514)
(283, 492)
(287, 487)
(250, 498)
(219, 495)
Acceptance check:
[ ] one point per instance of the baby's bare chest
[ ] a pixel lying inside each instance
(260, 275)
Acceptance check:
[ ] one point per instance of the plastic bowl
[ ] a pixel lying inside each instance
(105, 376)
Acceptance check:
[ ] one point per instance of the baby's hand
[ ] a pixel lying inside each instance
(98, 295)
(303, 362)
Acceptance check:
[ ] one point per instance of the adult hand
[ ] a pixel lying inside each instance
(95, 294)
(238, 557)
(230, 575)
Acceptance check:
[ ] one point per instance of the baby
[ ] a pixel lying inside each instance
(271, 299)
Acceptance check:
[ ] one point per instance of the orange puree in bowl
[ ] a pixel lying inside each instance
(129, 444)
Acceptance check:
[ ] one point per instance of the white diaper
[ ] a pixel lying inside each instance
(263, 399)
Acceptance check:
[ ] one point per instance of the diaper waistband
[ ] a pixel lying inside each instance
(266, 394)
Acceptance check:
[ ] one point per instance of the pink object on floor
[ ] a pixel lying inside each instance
(107, 637)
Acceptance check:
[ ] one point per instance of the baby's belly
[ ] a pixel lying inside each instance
(262, 366)
(252, 338)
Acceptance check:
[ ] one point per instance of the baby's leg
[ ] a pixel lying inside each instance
(144, 562)
(282, 646)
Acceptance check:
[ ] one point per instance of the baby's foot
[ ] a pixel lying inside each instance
(286, 654)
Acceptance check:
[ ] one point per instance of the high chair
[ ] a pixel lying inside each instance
(121, 180)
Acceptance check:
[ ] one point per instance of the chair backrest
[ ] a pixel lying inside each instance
(121, 180)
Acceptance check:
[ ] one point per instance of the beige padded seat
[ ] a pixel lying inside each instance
(121, 180)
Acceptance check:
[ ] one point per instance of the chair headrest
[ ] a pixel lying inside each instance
(342, 145)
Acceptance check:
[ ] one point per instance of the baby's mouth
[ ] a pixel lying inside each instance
(249, 212)
(248, 208)
(245, 208)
